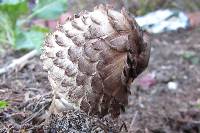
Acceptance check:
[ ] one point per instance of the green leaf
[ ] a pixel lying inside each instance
(40, 29)
(195, 60)
(198, 105)
(3, 104)
(14, 9)
(29, 40)
(49, 9)
(192, 57)
(188, 55)
(11, 1)
(6, 30)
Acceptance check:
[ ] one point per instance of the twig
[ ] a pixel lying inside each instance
(123, 126)
(133, 122)
(34, 115)
(102, 126)
(18, 63)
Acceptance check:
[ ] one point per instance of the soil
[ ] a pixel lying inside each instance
(167, 101)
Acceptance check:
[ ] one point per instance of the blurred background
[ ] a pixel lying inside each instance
(25, 19)
(165, 98)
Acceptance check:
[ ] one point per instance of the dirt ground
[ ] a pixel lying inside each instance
(164, 99)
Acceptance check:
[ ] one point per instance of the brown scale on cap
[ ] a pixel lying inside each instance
(92, 59)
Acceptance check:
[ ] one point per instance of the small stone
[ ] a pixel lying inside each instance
(172, 85)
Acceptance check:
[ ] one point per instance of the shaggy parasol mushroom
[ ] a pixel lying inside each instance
(92, 59)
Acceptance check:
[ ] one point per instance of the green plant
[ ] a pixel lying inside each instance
(16, 28)
(3, 104)
(191, 57)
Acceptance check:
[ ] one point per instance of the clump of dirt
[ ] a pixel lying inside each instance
(78, 121)
(155, 108)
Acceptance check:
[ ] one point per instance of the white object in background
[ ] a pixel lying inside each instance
(172, 85)
(163, 20)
